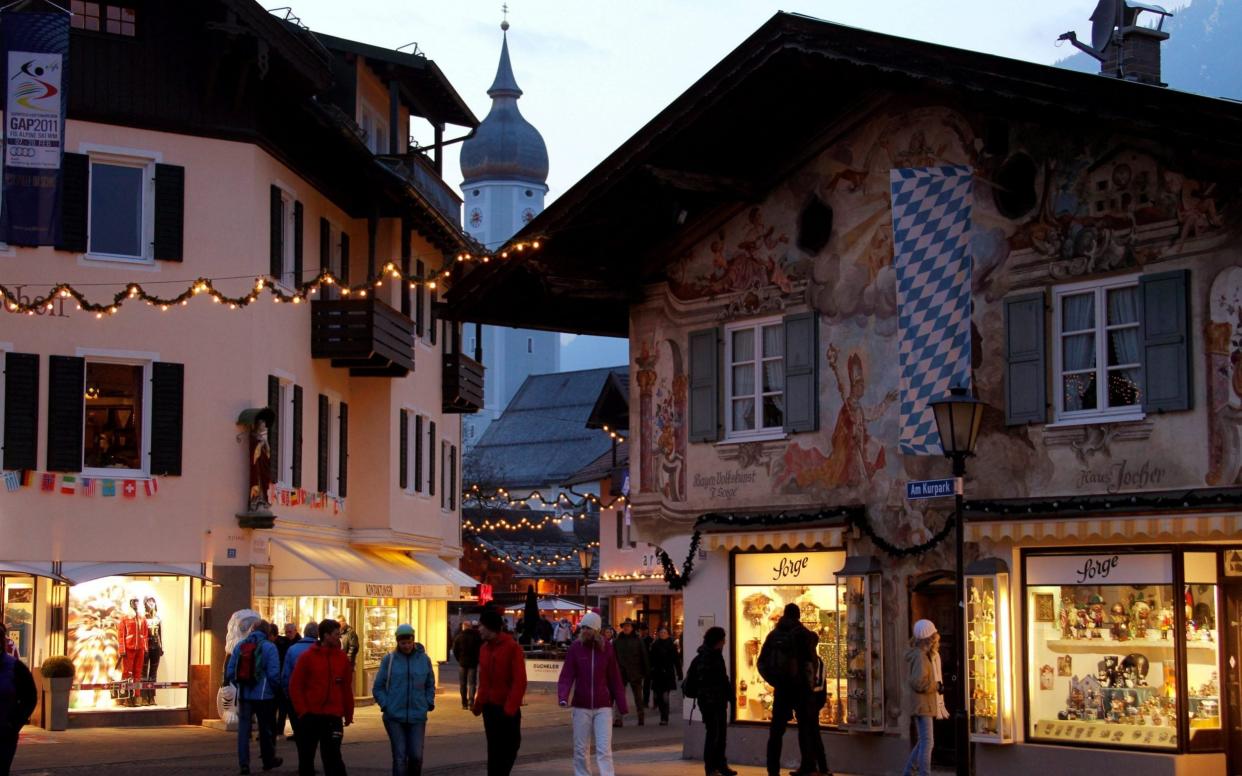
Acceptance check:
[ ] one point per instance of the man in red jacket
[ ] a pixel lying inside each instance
(322, 691)
(502, 683)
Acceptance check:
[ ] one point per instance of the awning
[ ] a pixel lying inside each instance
(611, 587)
(1053, 530)
(447, 570)
(831, 536)
(85, 572)
(33, 568)
(549, 605)
(313, 568)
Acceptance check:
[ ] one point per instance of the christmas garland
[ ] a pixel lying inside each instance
(675, 580)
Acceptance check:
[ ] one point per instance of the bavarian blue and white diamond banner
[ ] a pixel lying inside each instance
(931, 255)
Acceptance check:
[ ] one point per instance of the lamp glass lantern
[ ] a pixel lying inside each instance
(585, 557)
(958, 418)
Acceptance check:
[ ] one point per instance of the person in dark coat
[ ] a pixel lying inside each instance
(283, 642)
(665, 671)
(17, 701)
(644, 633)
(787, 662)
(635, 666)
(714, 694)
(466, 647)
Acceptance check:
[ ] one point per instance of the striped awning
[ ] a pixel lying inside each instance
(776, 538)
(1058, 530)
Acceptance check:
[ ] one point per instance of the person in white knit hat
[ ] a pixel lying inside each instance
(926, 693)
(591, 672)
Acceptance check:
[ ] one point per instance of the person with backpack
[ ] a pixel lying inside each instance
(812, 744)
(254, 667)
(18, 697)
(926, 698)
(591, 671)
(787, 662)
(322, 690)
(405, 691)
(310, 635)
(707, 684)
(665, 671)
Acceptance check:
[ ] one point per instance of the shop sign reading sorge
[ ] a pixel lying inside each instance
(796, 567)
(1102, 568)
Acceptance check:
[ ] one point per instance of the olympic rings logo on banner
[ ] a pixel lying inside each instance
(22, 153)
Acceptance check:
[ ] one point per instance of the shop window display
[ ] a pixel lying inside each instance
(129, 640)
(989, 658)
(862, 611)
(17, 596)
(1200, 604)
(378, 632)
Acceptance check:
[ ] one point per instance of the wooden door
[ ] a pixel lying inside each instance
(934, 599)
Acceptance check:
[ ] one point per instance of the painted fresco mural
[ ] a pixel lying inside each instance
(1047, 210)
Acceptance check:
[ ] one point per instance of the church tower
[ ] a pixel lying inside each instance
(504, 168)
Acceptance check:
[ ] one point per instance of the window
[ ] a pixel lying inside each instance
(284, 427)
(1098, 350)
(334, 446)
(530, 344)
(444, 473)
(375, 130)
(288, 222)
(98, 17)
(122, 198)
(755, 378)
(115, 435)
(413, 452)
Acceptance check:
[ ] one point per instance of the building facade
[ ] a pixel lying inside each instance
(132, 515)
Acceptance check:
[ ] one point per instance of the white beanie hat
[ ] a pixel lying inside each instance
(924, 629)
(590, 620)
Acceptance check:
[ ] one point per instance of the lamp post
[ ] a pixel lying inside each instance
(584, 558)
(957, 419)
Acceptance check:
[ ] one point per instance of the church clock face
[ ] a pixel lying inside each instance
(476, 217)
(527, 215)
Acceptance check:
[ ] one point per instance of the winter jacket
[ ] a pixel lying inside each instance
(665, 665)
(18, 695)
(291, 659)
(804, 643)
(466, 648)
(267, 669)
(405, 686)
(632, 657)
(349, 643)
(323, 683)
(502, 675)
(591, 669)
(921, 683)
(715, 689)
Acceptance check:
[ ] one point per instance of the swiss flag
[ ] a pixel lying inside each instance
(129, 489)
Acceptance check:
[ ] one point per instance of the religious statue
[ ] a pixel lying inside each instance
(258, 512)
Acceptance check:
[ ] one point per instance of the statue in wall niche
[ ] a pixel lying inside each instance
(260, 467)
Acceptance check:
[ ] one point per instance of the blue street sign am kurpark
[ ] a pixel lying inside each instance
(917, 489)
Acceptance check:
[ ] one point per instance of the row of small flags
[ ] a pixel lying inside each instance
(301, 497)
(74, 484)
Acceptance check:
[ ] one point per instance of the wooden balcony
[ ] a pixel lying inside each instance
(463, 384)
(365, 336)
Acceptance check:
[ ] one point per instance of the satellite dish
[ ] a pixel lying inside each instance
(1103, 23)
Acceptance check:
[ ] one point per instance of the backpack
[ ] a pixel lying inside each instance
(246, 672)
(778, 660)
(690, 686)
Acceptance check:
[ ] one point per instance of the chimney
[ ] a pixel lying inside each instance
(1125, 49)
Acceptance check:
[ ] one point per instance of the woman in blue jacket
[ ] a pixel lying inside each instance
(405, 690)
(256, 692)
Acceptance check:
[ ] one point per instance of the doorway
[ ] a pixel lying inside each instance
(933, 597)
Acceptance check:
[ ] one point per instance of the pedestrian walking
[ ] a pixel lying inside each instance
(405, 690)
(590, 670)
(310, 636)
(644, 633)
(665, 671)
(254, 668)
(564, 632)
(787, 662)
(810, 741)
(349, 642)
(323, 698)
(285, 640)
(17, 701)
(926, 694)
(635, 667)
(707, 682)
(502, 684)
(466, 647)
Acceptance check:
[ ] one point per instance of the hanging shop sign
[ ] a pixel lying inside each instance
(1102, 568)
(799, 567)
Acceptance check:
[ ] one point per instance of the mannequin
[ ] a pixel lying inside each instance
(155, 647)
(132, 638)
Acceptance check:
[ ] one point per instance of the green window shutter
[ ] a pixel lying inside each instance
(167, 410)
(344, 278)
(75, 191)
(21, 411)
(66, 378)
(325, 245)
(296, 478)
(403, 449)
(418, 453)
(169, 211)
(298, 216)
(324, 430)
(273, 433)
(801, 372)
(407, 253)
(1165, 303)
(452, 479)
(705, 385)
(431, 458)
(420, 301)
(1026, 371)
(276, 236)
(342, 475)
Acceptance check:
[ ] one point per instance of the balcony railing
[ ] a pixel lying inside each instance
(420, 173)
(366, 336)
(463, 384)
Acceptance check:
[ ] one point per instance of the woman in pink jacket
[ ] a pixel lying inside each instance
(591, 671)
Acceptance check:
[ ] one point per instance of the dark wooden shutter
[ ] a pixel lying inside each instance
(342, 474)
(1165, 305)
(324, 430)
(431, 458)
(277, 237)
(406, 254)
(21, 411)
(704, 385)
(66, 379)
(801, 372)
(431, 316)
(452, 482)
(403, 449)
(167, 411)
(418, 453)
(298, 216)
(443, 472)
(169, 211)
(344, 278)
(75, 188)
(273, 433)
(420, 303)
(296, 477)
(1026, 371)
(325, 245)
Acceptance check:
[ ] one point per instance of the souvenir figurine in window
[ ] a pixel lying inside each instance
(1120, 629)
(1165, 620)
(1140, 615)
(1095, 608)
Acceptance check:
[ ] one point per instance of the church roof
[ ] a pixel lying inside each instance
(505, 146)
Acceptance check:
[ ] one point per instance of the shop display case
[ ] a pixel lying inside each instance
(378, 631)
(858, 591)
(989, 654)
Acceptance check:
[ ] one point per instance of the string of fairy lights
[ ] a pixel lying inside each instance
(16, 302)
(545, 560)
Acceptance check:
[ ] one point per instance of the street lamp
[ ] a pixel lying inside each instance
(584, 558)
(957, 419)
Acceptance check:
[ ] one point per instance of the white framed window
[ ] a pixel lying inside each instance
(754, 375)
(334, 443)
(375, 128)
(116, 435)
(121, 209)
(1098, 350)
(284, 427)
(288, 224)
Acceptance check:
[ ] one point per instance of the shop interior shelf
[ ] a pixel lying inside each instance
(1133, 645)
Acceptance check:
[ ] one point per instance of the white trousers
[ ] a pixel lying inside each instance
(597, 722)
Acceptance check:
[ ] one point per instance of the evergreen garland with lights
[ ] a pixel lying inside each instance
(674, 579)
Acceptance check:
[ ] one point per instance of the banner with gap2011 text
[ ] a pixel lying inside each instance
(36, 52)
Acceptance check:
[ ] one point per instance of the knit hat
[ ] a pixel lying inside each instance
(924, 629)
(405, 630)
(492, 620)
(590, 620)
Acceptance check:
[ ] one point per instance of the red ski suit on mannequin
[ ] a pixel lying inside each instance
(132, 635)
